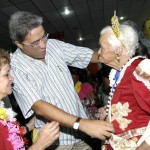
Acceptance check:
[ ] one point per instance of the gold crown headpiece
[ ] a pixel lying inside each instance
(115, 25)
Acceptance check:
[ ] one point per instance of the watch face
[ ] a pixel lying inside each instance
(76, 125)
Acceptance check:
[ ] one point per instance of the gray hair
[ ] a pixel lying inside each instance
(21, 23)
(128, 37)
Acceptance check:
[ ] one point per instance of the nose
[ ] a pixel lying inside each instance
(11, 78)
(99, 51)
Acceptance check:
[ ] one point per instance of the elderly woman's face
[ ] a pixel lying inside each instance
(106, 52)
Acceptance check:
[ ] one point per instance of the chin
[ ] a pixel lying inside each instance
(102, 61)
(9, 92)
(41, 57)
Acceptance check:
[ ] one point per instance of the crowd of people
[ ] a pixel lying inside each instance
(61, 103)
(43, 85)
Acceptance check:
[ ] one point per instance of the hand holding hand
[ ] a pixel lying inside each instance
(102, 113)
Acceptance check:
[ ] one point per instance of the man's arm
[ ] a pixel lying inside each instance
(94, 128)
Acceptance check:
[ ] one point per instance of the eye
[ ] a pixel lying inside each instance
(35, 43)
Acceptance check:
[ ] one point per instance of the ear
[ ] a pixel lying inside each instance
(19, 44)
(119, 50)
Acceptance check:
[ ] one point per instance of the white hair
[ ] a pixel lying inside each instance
(128, 38)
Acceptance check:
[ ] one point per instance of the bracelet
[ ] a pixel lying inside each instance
(26, 127)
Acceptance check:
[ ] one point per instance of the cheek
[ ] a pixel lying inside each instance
(107, 56)
(3, 88)
(105, 53)
(4, 85)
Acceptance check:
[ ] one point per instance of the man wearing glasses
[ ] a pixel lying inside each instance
(43, 84)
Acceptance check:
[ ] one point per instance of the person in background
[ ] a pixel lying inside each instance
(103, 78)
(86, 92)
(142, 50)
(128, 108)
(43, 84)
(11, 137)
(104, 89)
(144, 34)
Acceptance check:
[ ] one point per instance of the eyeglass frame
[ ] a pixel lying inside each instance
(36, 43)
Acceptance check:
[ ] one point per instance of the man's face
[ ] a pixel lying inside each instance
(34, 44)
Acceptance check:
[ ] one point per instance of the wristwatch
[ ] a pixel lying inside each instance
(76, 124)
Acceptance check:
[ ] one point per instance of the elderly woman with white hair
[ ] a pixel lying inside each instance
(128, 108)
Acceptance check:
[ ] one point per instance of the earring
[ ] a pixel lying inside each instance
(118, 58)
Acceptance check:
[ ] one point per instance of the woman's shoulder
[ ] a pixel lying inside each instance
(142, 72)
(143, 68)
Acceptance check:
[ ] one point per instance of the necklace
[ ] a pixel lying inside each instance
(113, 84)
(115, 77)
(8, 120)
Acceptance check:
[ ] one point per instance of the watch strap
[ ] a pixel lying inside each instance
(78, 119)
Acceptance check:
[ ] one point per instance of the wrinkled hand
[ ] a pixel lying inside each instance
(102, 113)
(96, 128)
(48, 134)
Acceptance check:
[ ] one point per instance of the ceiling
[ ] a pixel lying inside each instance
(86, 19)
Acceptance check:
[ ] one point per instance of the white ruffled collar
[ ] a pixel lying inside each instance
(113, 72)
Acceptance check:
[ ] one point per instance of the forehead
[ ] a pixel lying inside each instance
(105, 35)
(5, 67)
(35, 34)
(104, 38)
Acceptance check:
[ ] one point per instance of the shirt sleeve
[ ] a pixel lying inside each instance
(25, 91)
(73, 55)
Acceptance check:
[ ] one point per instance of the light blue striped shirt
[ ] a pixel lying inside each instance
(51, 82)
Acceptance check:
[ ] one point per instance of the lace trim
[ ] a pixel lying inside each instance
(142, 72)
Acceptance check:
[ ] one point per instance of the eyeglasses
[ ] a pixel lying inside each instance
(36, 43)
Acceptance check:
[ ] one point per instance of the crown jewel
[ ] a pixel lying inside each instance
(115, 25)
